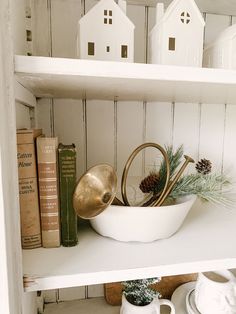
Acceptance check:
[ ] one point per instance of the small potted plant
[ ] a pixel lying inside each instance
(139, 297)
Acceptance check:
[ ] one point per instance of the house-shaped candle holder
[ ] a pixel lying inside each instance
(221, 53)
(106, 33)
(177, 36)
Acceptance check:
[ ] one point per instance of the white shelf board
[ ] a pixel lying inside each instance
(206, 241)
(75, 78)
(88, 306)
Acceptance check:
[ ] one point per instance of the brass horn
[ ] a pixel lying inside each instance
(155, 200)
(128, 164)
(95, 190)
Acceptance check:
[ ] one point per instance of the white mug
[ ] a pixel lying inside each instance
(215, 292)
(152, 308)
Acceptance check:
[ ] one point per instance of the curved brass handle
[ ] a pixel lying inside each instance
(128, 164)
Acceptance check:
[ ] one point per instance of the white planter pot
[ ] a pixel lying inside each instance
(143, 224)
(152, 308)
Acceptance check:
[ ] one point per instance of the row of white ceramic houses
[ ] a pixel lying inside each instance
(106, 33)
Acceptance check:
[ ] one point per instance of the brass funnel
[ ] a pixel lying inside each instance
(94, 191)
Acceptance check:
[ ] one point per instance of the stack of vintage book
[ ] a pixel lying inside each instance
(47, 177)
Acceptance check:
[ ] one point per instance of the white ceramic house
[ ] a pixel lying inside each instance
(222, 52)
(106, 33)
(177, 37)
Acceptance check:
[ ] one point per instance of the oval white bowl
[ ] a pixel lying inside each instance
(142, 224)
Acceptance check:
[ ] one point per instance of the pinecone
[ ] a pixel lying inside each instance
(149, 183)
(203, 166)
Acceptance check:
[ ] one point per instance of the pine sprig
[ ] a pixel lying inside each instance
(215, 188)
(175, 158)
(139, 292)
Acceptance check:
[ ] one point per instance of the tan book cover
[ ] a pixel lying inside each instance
(48, 190)
(28, 188)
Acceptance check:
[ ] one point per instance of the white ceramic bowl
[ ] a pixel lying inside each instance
(142, 224)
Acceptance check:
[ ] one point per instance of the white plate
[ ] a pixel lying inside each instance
(190, 303)
(179, 297)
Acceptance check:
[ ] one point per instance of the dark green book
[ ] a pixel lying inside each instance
(67, 181)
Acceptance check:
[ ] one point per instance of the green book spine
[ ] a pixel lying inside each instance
(67, 181)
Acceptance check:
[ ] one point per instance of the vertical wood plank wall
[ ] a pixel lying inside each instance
(106, 131)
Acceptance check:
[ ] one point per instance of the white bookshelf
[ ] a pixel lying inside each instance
(204, 242)
(74, 78)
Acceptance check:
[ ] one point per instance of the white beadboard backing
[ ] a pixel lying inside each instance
(41, 35)
(75, 293)
(186, 129)
(151, 21)
(88, 4)
(18, 24)
(98, 306)
(100, 132)
(159, 129)
(137, 15)
(129, 135)
(64, 19)
(68, 294)
(45, 116)
(159, 123)
(211, 139)
(95, 291)
(214, 25)
(229, 141)
(105, 131)
(71, 130)
(50, 296)
(22, 116)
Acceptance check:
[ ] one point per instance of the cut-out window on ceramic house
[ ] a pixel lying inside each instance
(107, 48)
(107, 16)
(124, 51)
(91, 49)
(28, 35)
(185, 17)
(171, 43)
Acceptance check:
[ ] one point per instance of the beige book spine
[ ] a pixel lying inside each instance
(28, 189)
(48, 191)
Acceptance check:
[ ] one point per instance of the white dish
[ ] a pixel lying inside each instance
(190, 303)
(179, 297)
(143, 224)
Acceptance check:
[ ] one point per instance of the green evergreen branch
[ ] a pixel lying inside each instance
(215, 188)
(174, 161)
